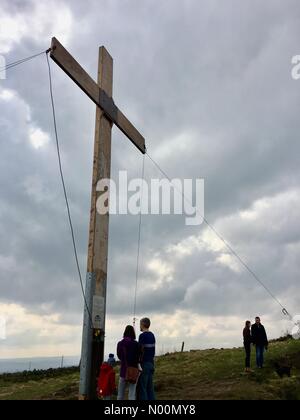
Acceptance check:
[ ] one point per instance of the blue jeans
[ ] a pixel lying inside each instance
(146, 387)
(260, 356)
(122, 388)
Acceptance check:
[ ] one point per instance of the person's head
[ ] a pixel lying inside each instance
(257, 320)
(129, 332)
(248, 324)
(145, 324)
(111, 360)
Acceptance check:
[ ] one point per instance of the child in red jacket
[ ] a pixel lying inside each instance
(107, 380)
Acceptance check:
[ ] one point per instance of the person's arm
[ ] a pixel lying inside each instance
(253, 335)
(266, 339)
(141, 348)
(119, 353)
(113, 385)
(247, 336)
(137, 354)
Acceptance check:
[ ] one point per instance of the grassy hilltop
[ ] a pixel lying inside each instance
(201, 374)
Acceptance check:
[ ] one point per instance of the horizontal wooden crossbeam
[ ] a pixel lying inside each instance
(82, 79)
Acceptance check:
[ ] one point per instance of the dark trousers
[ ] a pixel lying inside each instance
(248, 354)
(146, 388)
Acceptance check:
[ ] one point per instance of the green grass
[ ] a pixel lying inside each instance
(54, 384)
(208, 374)
(218, 374)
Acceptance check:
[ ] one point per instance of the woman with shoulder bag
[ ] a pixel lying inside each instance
(128, 353)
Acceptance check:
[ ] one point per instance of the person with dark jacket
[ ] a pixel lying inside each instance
(247, 345)
(260, 340)
(128, 354)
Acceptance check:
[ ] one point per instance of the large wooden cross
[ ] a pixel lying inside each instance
(107, 114)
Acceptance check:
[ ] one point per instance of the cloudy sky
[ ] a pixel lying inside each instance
(209, 85)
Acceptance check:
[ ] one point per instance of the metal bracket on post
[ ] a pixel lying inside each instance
(87, 336)
(108, 106)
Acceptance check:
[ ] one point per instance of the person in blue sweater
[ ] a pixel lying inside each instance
(147, 354)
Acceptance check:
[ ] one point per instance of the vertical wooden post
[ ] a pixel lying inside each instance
(182, 347)
(93, 347)
(107, 114)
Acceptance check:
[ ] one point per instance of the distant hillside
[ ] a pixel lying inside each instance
(201, 374)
